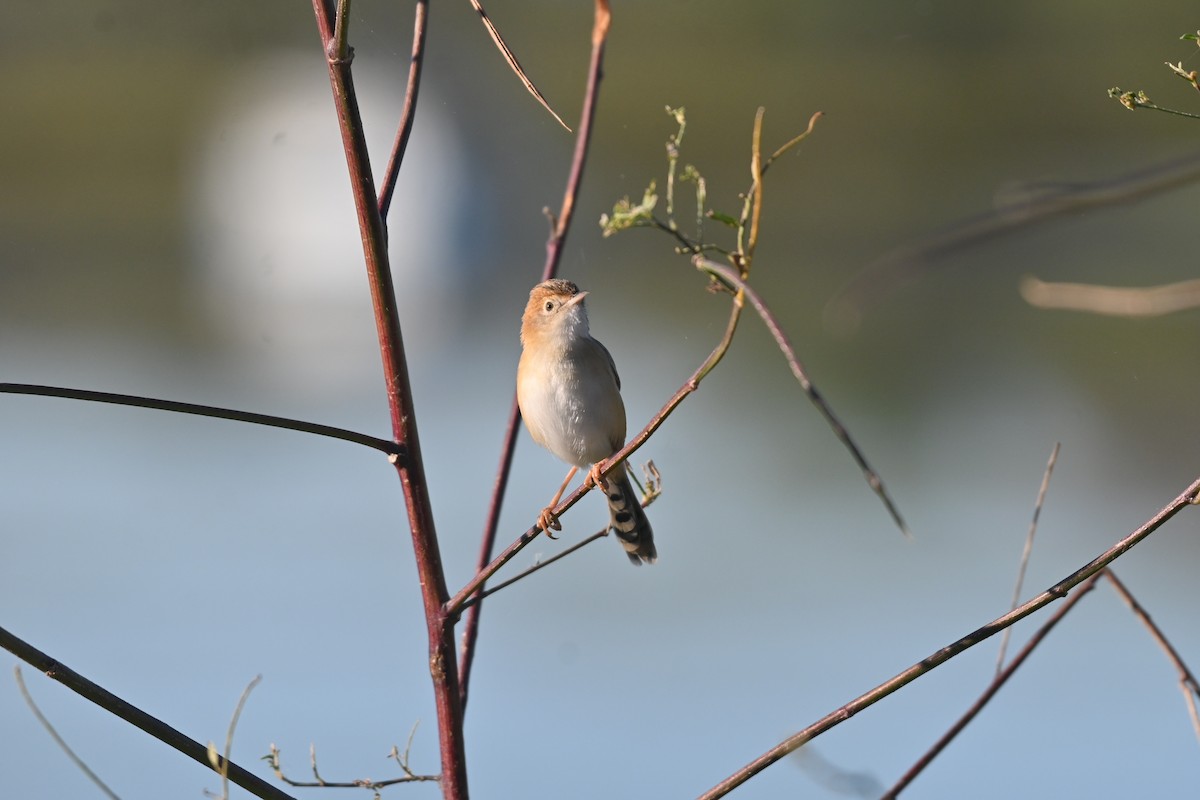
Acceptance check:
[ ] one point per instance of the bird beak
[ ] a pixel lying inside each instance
(576, 299)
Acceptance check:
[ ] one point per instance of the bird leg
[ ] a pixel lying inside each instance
(546, 520)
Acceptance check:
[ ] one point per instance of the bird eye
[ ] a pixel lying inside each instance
(549, 305)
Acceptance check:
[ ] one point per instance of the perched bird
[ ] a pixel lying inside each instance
(570, 398)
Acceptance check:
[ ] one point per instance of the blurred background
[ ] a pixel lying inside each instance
(176, 222)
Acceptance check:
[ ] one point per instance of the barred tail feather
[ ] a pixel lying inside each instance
(629, 520)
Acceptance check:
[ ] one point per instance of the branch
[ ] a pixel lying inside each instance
(936, 659)
(66, 748)
(554, 245)
(409, 113)
(1187, 681)
(134, 715)
(651, 492)
(213, 758)
(511, 59)
(1028, 549)
(733, 280)
(273, 759)
(999, 680)
(382, 445)
(443, 666)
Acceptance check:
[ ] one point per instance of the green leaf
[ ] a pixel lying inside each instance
(724, 219)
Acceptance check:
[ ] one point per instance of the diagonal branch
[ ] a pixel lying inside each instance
(66, 748)
(936, 659)
(998, 681)
(734, 281)
(134, 715)
(554, 245)
(511, 59)
(1028, 549)
(1187, 681)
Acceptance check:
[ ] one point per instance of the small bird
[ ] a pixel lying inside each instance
(570, 398)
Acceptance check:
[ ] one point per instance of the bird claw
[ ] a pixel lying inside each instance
(594, 477)
(548, 522)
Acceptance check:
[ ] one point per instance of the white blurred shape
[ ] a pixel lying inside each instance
(280, 269)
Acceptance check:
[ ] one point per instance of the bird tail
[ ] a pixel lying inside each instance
(629, 520)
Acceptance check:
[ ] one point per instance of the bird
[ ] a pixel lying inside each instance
(569, 394)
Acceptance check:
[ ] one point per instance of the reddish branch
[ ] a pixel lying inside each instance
(443, 666)
(554, 245)
(404, 130)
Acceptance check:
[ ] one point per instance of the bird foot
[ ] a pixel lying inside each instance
(594, 477)
(548, 522)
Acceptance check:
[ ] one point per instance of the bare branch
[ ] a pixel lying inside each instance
(273, 760)
(1187, 681)
(443, 666)
(382, 445)
(558, 236)
(936, 659)
(133, 715)
(735, 281)
(513, 64)
(409, 112)
(223, 768)
(76, 760)
(1027, 550)
(1001, 678)
(471, 601)
(650, 493)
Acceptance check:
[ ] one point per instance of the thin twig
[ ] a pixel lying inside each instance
(1138, 99)
(76, 760)
(650, 493)
(443, 666)
(471, 601)
(133, 715)
(513, 64)
(554, 247)
(1187, 681)
(936, 659)
(402, 758)
(409, 113)
(1027, 550)
(999, 680)
(757, 183)
(487, 543)
(790, 143)
(223, 768)
(375, 443)
(341, 31)
(273, 760)
(732, 279)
